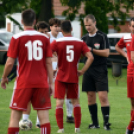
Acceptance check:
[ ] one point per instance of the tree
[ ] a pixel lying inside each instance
(100, 9)
(43, 9)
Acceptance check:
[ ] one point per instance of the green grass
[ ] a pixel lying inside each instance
(119, 113)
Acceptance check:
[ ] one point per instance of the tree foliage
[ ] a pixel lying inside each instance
(117, 9)
(43, 9)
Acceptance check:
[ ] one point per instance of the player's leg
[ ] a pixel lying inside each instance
(88, 86)
(26, 113)
(41, 102)
(77, 114)
(59, 94)
(14, 121)
(69, 111)
(44, 121)
(37, 122)
(130, 94)
(105, 108)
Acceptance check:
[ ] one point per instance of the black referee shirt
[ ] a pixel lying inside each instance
(98, 41)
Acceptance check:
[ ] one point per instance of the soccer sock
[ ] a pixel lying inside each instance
(25, 116)
(77, 115)
(45, 128)
(105, 113)
(93, 113)
(13, 130)
(37, 121)
(69, 107)
(59, 117)
(131, 123)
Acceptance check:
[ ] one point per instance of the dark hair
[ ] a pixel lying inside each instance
(42, 25)
(28, 17)
(66, 26)
(132, 19)
(90, 16)
(53, 21)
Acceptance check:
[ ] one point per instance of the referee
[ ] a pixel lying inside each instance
(95, 79)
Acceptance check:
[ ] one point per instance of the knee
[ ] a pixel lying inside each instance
(75, 102)
(59, 102)
(91, 99)
(103, 99)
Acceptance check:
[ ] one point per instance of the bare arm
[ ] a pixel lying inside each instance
(132, 56)
(121, 51)
(50, 72)
(87, 64)
(8, 67)
(103, 53)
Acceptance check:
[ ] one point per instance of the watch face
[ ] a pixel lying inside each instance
(97, 45)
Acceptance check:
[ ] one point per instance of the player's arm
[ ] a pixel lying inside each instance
(103, 53)
(8, 67)
(120, 50)
(132, 49)
(49, 72)
(87, 64)
(132, 56)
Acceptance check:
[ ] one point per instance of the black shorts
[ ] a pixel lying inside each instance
(95, 79)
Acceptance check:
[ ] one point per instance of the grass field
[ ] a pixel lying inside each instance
(119, 114)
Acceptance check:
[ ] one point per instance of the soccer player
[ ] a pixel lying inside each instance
(56, 34)
(42, 27)
(69, 50)
(95, 79)
(34, 69)
(127, 42)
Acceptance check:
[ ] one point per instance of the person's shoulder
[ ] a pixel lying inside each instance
(29, 33)
(85, 36)
(101, 33)
(64, 39)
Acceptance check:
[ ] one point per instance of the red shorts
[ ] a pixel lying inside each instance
(39, 97)
(62, 88)
(130, 87)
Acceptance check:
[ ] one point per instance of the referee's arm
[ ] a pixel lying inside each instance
(105, 51)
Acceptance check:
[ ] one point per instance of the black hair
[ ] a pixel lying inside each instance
(28, 17)
(132, 19)
(66, 26)
(42, 25)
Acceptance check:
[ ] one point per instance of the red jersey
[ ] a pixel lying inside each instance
(126, 42)
(69, 50)
(31, 48)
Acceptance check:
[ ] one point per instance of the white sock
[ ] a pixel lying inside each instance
(25, 117)
(69, 107)
(37, 121)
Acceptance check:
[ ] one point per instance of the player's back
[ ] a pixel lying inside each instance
(69, 50)
(32, 49)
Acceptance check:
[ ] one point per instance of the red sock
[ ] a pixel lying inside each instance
(131, 123)
(59, 117)
(77, 116)
(45, 128)
(13, 130)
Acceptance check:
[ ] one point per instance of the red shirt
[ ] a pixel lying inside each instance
(69, 50)
(126, 42)
(31, 48)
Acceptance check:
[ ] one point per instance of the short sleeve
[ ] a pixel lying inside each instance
(121, 43)
(132, 44)
(105, 41)
(48, 51)
(53, 46)
(13, 48)
(85, 48)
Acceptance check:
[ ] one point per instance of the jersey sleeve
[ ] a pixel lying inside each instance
(121, 43)
(132, 44)
(53, 46)
(48, 51)
(85, 48)
(13, 48)
(105, 42)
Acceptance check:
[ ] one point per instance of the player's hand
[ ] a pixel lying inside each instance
(3, 82)
(80, 72)
(51, 89)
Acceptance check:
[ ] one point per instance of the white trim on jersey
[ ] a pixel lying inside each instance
(68, 39)
(127, 37)
(29, 33)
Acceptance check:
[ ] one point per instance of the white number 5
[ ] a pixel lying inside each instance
(70, 53)
(34, 51)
